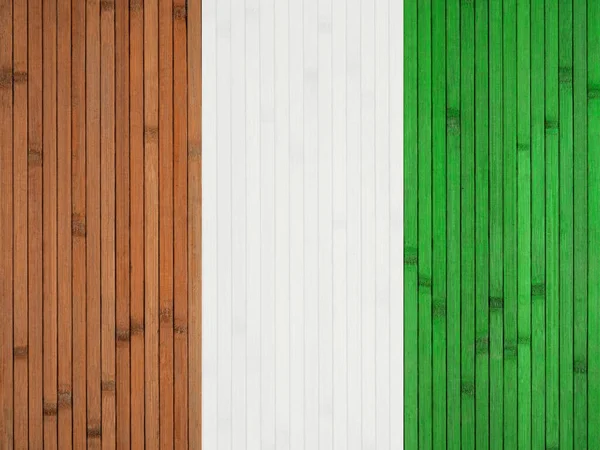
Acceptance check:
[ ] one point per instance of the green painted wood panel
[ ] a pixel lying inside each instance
(502, 224)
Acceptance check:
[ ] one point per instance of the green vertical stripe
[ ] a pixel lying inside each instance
(593, 134)
(565, 93)
(502, 224)
(481, 226)
(580, 224)
(496, 231)
(510, 223)
(424, 153)
(439, 223)
(410, 228)
(453, 215)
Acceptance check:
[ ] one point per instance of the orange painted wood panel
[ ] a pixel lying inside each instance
(100, 216)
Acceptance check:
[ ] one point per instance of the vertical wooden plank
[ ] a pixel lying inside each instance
(552, 230)
(34, 223)
(340, 233)
(439, 222)
(538, 228)
(195, 220)
(107, 219)
(467, 211)
(580, 225)
(384, 346)
(253, 231)
(482, 260)
(565, 205)
(424, 152)
(122, 224)
(354, 250)
(78, 226)
(180, 217)
(411, 377)
(593, 137)
(510, 224)
(239, 278)
(165, 155)
(94, 401)
(266, 20)
(20, 206)
(65, 411)
(453, 214)
(50, 307)
(524, 224)
(397, 264)
(6, 224)
(282, 220)
(496, 212)
(136, 185)
(151, 237)
(367, 220)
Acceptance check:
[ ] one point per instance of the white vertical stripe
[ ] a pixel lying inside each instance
(209, 226)
(302, 224)
(224, 224)
(340, 344)
(325, 215)
(396, 24)
(354, 243)
(267, 224)
(282, 226)
(382, 217)
(253, 232)
(238, 217)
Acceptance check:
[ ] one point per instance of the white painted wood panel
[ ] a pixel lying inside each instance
(302, 224)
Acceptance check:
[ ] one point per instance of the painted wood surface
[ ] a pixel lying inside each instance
(302, 224)
(500, 199)
(100, 212)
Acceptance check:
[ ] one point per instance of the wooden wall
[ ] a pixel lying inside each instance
(302, 251)
(100, 224)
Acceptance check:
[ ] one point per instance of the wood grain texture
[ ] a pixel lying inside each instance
(514, 208)
(95, 158)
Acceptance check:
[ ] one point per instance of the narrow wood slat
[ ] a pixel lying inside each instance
(552, 229)
(151, 226)
(565, 207)
(6, 225)
(92, 225)
(510, 222)
(50, 271)
(424, 152)
(165, 133)
(593, 137)
(524, 224)
(64, 216)
(180, 217)
(136, 184)
(34, 223)
(194, 14)
(580, 224)
(78, 223)
(538, 228)
(20, 205)
(496, 211)
(122, 224)
(482, 261)
(107, 220)
(410, 228)
(439, 222)
(467, 224)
